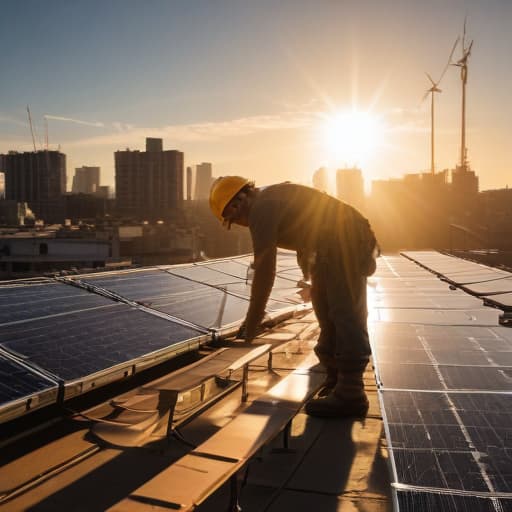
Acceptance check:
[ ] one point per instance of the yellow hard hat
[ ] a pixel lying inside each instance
(223, 190)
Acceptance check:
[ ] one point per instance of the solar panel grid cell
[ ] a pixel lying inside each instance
(22, 303)
(17, 382)
(417, 501)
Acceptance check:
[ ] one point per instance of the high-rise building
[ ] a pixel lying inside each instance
(149, 185)
(320, 179)
(154, 145)
(350, 187)
(203, 180)
(103, 191)
(86, 180)
(37, 178)
(189, 183)
(464, 187)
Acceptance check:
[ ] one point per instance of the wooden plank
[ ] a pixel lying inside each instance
(181, 486)
(292, 391)
(247, 433)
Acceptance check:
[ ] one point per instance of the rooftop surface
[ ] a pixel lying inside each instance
(330, 465)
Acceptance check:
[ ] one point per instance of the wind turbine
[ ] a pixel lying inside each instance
(432, 91)
(463, 65)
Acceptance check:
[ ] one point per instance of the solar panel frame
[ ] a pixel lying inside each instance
(73, 356)
(28, 392)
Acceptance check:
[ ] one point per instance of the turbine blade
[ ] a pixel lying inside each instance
(425, 95)
(449, 59)
(430, 78)
(468, 51)
(464, 33)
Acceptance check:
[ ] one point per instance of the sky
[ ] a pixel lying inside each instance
(268, 89)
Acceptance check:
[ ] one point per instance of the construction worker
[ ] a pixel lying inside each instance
(336, 248)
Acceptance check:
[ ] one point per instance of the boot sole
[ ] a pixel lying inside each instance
(333, 413)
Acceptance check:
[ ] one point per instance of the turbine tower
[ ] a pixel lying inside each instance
(463, 65)
(432, 91)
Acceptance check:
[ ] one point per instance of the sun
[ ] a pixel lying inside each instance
(351, 137)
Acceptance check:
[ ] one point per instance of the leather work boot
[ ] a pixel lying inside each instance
(329, 383)
(346, 400)
(333, 406)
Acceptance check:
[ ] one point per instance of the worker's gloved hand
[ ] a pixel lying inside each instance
(304, 290)
(242, 331)
(240, 335)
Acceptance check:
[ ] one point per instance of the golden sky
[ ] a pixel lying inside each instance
(270, 90)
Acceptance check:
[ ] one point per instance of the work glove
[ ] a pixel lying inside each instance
(304, 290)
(242, 331)
(240, 335)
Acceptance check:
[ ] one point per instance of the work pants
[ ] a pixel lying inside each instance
(338, 295)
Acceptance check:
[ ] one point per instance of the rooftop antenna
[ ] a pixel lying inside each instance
(462, 63)
(31, 128)
(431, 91)
(46, 131)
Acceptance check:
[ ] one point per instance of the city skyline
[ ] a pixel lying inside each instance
(251, 87)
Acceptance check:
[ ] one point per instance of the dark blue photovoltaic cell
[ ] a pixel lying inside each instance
(204, 274)
(192, 301)
(413, 501)
(408, 376)
(425, 427)
(188, 300)
(283, 294)
(83, 343)
(39, 300)
(17, 382)
(439, 468)
(208, 307)
(477, 378)
(233, 268)
(144, 286)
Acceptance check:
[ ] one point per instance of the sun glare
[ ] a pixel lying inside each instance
(351, 137)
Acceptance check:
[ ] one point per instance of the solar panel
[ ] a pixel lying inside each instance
(490, 287)
(445, 382)
(501, 300)
(82, 338)
(21, 389)
(422, 301)
(208, 307)
(481, 316)
(419, 501)
(182, 298)
(234, 268)
(472, 429)
(21, 302)
(83, 343)
(204, 274)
